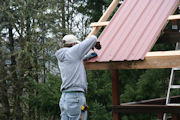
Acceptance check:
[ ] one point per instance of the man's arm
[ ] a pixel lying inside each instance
(83, 48)
(87, 44)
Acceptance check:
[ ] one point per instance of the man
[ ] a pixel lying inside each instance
(74, 85)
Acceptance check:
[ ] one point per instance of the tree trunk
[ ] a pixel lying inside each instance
(63, 18)
(4, 100)
(16, 81)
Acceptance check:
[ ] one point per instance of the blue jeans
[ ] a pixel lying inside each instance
(70, 105)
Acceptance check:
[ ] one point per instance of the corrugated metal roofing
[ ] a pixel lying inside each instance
(134, 29)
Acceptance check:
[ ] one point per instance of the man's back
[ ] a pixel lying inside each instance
(70, 61)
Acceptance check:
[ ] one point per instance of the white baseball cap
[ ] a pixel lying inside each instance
(70, 39)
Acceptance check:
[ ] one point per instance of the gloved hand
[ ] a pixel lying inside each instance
(90, 55)
(98, 45)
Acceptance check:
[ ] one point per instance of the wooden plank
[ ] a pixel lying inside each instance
(156, 101)
(105, 16)
(165, 59)
(145, 108)
(174, 17)
(115, 92)
(99, 24)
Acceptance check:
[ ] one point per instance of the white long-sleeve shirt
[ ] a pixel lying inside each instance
(70, 61)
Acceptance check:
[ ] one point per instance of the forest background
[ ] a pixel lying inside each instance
(31, 32)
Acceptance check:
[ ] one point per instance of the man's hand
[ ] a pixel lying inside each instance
(98, 45)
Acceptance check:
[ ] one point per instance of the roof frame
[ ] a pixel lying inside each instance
(163, 59)
(152, 59)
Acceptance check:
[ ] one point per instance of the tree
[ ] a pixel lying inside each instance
(25, 30)
(30, 33)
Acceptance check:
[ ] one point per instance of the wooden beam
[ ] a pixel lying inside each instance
(105, 23)
(105, 16)
(164, 59)
(174, 17)
(146, 108)
(99, 24)
(115, 92)
(156, 101)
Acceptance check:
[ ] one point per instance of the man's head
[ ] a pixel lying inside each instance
(69, 40)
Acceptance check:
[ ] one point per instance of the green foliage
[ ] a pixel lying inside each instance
(92, 8)
(99, 85)
(128, 80)
(47, 96)
(145, 116)
(99, 94)
(149, 84)
(99, 112)
(152, 84)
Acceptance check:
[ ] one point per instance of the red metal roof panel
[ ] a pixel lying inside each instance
(134, 29)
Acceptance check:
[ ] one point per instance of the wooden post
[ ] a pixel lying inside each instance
(175, 23)
(175, 117)
(115, 92)
(160, 116)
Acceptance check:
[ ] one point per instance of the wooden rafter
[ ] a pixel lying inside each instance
(174, 17)
(97, 24)
(155, 101)
(105, 23)
(165, 59)
(105, 16)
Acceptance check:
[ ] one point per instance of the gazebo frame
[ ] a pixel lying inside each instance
(159, 59)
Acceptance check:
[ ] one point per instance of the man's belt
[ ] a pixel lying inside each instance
(73, 92)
